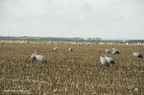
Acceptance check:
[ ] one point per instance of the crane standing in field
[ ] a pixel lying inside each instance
(103, 60)
(107, 51)
(70, 49)
(40, 58)
(55, 49)
(136, 54)
(115, 51)
(113, 48)
(110, 60)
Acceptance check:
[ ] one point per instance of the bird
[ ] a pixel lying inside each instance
(103, 60)
(113, 48)
(70, 49)
(117, 52)
(107, 51)
(110, 60)
(40, 58)
(136, 54)
(55, 49)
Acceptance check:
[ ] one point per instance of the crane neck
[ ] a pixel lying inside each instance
(35, 51)
(131, 50)
(100, 53)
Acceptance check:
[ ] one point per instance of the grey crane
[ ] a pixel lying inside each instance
(113, 48)
(40, 58)
(110, 60)
(70, 49)
(55, 49)
(103, 60)
(115, 51)
(107, 51)
(136, 54)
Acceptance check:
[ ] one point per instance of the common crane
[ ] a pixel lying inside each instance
(110, 60)
(70, 49)
(103, 60)
(55, 49)
(115, 51)
(40, 58)
(136, 54)
(113, 48)
(107, 51)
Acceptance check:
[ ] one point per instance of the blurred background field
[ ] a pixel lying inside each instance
(70, 73)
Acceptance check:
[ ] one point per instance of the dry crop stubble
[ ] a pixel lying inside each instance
(77, 72)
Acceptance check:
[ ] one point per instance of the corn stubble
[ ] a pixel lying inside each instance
(69, 73)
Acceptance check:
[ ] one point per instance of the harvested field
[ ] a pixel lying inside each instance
(70, 73)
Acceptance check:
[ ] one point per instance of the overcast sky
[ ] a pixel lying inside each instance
(122, 19)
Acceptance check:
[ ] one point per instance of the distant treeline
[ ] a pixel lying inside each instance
(96, 39)
(51, 39)
(135, 41)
